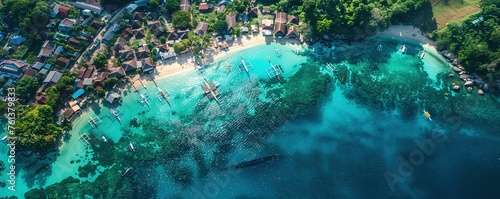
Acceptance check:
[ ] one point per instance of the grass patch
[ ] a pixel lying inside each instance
(446, 11)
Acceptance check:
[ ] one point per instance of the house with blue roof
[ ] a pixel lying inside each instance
(17, 40)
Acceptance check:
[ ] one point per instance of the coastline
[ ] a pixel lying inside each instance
(408, 32)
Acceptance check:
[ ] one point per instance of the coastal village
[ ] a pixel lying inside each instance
(103, 47)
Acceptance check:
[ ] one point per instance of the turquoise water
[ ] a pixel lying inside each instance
(341, 143)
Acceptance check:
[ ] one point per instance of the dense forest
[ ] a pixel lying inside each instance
(353, 18)
(476, 40)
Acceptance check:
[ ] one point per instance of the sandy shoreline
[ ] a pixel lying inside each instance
(185, 62)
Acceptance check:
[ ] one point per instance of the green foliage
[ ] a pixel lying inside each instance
(163, 40)
(220, 26)
(181, 20)
(53, 97)
(101, 93)
(3, 107)
(110, 82)
(172, 5)
(476, 44)
(154, 3)
(179, 47)
(36, 129)
(100, 61)
(26, 88)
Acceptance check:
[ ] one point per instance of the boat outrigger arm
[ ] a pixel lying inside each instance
(163, 95)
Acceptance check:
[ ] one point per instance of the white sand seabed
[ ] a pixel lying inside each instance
(408, 32)
(185, 62)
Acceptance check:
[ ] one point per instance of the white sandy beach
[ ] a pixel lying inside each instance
(409, 32)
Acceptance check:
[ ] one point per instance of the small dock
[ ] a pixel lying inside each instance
(244, 66)
(85, 139)
(210, 89)
(94, 121)
(421, 54)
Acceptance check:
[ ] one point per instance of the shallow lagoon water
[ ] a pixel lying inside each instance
(340, 147)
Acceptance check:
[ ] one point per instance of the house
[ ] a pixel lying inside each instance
(163, 48)
(95, 24)
(156, 28)
(182, 34)
(83, 6)
(205, 7)
(231, 21)
(142, 52)
(98, 82)
(244, 29)
(253, 13)
(139, 33)
(292, 32)
(120, 44)
(41, 97)
(135, 24)
(30, 72)
(293, 19)
(126, 54)
(85, 72)
(66, 24)
(280, 24)
(127, 33)
(153, 24)
(17, 40)
(166, 55)
(118, 72)
(147, 64)
(131, 8)
(130, 66)
(108, 36)
(59, 50)
(63, 62)
(185, 5)
(54, 11)
(254, 28)
(47, 50)
(112, 97)
(63, 11)
(137, 16)
(201, 28)
(220, 8)
(12, 68)
(52, 78)
(172, 35)
(266, 10)
(74, 43)
(37, 66)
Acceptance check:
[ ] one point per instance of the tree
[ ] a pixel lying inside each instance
(163, 40)
(26, 88)
(110, 82)
(90, 89)
(324, 26)
(181, 20)
(220, 26)
(100, 61)
(101, 93)
(36, 129)
(179, 47)
(172, 5)
(53, 97)
(154, 3)
(206, 40)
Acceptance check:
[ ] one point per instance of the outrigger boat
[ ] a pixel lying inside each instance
(115, 114)
(228, 67)
(143, 98)
(278, 52)
(379, 47)
(4, 139)
(274, 70)
(162, 94)
(421, 54)
(94, 121)
(244, 66)
(131, 146)
(403, 48)
(104, 139)
(211, 90)
(427, 115)
(330, 67)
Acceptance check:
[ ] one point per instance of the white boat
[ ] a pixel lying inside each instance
(131, 146)
(4, 139)
(104, 139)
(403, 48)
(330, 67)
(115, 114)
(297, 50)
(144, 99)
(379, 47)
(278, 52)
(126, 171)
(162, 94)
